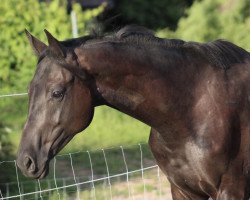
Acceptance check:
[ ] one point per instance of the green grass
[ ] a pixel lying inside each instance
(109, 128)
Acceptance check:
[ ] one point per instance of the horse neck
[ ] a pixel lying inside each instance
(130, 94)
(125, 81)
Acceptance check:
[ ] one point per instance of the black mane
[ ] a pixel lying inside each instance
(75, 42)
(218, 53)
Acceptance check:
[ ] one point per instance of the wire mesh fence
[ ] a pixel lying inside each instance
(111, 174)
(114, 173)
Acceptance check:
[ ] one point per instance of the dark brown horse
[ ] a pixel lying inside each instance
(196, 98)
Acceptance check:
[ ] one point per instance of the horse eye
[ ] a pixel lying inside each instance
(58, 94)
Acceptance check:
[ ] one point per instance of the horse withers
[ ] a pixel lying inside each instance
(194, 96)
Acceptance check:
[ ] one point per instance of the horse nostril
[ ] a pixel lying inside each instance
(29, 164)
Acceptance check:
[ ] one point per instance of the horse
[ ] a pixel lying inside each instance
(194, 96)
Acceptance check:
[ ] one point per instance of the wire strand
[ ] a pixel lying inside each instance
(82, 183)
(13, 95)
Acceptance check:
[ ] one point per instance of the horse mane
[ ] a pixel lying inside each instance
(75, 42)
(220, 53)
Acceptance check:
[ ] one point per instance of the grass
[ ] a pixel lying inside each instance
(109, 128)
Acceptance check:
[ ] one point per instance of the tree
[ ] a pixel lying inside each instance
(16, 64)
(152, 14)
(212, 19)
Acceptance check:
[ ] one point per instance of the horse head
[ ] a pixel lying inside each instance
(60, 105)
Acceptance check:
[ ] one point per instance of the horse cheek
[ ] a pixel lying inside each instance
(83, 109)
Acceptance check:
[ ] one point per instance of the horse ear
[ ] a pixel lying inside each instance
(37, 46)
(54, 45)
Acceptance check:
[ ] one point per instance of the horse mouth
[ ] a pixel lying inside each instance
(60, 141)
(58, 144)
(43, 174)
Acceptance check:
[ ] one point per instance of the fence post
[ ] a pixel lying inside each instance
(74, 24)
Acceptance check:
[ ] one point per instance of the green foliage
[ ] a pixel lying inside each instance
(5, 145)
(202, 23)
(16, 63)
(212, 19)
(152, 14)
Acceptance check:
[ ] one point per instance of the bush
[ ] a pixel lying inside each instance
(212, 19)
(16, 63)
(152, 14)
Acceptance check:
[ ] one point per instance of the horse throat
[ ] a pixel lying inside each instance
(123, 98)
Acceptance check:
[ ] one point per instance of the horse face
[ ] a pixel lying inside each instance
(60, 105)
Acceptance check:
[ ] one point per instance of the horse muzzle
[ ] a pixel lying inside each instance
(30, 168)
